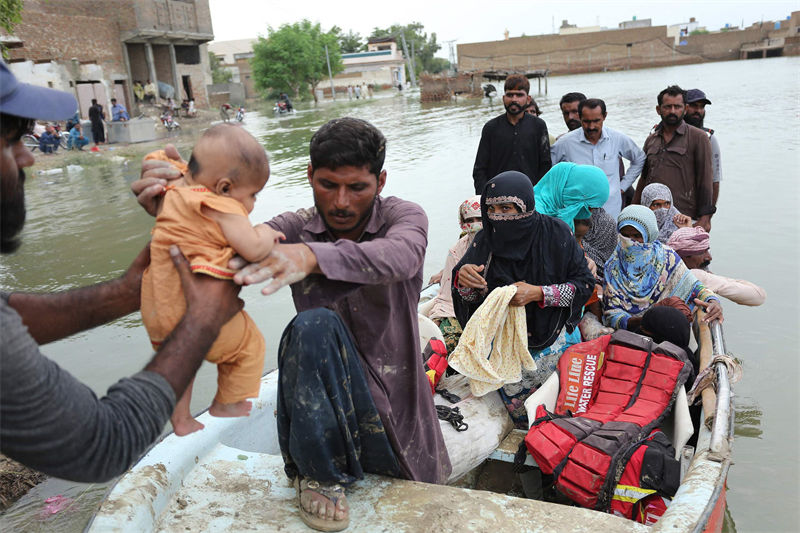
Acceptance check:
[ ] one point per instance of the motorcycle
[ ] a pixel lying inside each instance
(31, 140)
(240, 114)
(281, 107)
(169, 122)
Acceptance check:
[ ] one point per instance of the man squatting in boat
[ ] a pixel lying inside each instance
(354, 261)
(49, 420)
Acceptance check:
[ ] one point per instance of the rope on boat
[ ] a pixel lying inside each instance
(708, 377)
(452, 415)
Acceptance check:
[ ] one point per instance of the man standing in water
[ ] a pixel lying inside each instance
(515, 140)
(679, 156)
(696, 103)
(353, 396)
(49, 420)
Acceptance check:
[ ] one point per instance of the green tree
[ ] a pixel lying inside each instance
(292, 58)
(349, 42)
(218, 74)
(424, 47)
(10, 16)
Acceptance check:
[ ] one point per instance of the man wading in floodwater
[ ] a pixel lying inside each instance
(355, 264)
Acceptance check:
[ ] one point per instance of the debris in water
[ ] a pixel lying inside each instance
(241, 457)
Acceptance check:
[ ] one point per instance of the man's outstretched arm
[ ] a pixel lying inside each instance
(52, 422)
(51, 317)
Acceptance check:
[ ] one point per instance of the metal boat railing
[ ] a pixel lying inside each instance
(722, 429)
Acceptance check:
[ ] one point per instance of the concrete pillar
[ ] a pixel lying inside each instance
(132, 105)
(176, 79)
(151, 66)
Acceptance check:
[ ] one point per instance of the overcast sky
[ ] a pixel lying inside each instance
(469, 21)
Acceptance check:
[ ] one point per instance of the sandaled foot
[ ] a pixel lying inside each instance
(323, 506)
(226, 410)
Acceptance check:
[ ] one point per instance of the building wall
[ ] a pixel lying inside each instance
(138, 62)
(80, 44)
(176, 15)
(723, 45)
(377, 75)
(200, 75)
(607, 50)
(246, 77)
(70, 41)
(581, 52)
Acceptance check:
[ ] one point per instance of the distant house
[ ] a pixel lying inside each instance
(97, 49)
(682, 30)
(235, 56)
(382, 65)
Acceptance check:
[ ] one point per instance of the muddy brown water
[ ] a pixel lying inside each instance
(84, 226)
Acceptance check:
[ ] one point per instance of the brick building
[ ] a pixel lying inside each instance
(98, 48)
(631, 46)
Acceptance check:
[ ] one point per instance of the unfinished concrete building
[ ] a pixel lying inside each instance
(98, 48)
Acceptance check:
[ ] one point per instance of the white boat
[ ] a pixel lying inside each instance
(229, 476)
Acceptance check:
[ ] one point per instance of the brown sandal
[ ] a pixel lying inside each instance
(333, 492)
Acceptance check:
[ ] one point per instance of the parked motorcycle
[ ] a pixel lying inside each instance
(31, 140)
(169, 122)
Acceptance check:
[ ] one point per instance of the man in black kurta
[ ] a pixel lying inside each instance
(515, 140)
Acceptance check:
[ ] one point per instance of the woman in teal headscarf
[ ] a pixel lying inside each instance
(569, 190)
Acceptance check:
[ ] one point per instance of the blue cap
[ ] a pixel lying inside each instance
(30, 101)
(696, 95)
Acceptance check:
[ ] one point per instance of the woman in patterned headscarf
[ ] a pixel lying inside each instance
(537, 254)
(442, 313)
(642, 272)
(658, 198)
(601, 240)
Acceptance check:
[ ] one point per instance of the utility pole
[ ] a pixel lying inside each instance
(330, 76)
(453, 68)
(408, 61)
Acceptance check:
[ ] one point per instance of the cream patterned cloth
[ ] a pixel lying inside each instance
(493, 348)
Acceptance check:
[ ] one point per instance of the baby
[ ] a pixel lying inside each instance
(206, 216)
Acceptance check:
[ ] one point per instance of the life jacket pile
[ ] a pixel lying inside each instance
(435, 361)
(601, 444)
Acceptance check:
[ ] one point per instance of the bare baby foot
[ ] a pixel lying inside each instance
(185, 425)
(228, 410)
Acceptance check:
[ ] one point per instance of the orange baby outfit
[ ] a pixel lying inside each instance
(239, 349)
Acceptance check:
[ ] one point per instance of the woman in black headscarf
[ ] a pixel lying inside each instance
(538, 254)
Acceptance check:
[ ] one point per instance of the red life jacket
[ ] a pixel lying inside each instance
(435, 357)
(651, 476)
(621, 386)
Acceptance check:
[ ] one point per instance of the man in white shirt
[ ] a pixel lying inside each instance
(692, 244)
(593, 144)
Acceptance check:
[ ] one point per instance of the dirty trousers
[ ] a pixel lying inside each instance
(329, 429)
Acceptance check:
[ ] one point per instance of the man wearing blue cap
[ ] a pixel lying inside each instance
(48, 419)
(696, 103)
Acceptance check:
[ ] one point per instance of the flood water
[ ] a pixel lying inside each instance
(84, 226)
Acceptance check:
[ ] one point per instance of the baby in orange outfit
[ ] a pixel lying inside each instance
(207, 217)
